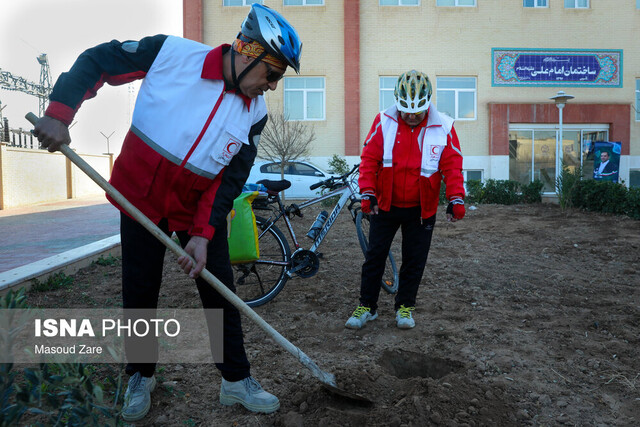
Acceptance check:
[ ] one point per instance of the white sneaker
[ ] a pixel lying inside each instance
(360, 316)
(137, 399)
(249, 394)
(404, 319)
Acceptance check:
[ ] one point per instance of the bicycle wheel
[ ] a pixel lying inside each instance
(390, 278)
(258, 282)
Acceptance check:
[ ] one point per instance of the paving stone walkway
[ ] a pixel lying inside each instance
(29, 234)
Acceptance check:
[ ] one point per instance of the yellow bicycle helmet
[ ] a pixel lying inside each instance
(413, 92)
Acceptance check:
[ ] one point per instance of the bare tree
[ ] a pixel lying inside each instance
(283, 140)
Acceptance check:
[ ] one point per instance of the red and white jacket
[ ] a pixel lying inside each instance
(440, 158)
(191, 143)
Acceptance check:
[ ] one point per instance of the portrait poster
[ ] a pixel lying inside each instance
(606, 160)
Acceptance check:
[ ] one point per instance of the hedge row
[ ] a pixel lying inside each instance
(606, 197)
(502, 192)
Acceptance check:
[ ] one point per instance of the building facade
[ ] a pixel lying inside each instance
(494, 65)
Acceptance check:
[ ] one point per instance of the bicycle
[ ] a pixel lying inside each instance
(258, 282)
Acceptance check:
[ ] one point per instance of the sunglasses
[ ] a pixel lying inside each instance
(272, 75)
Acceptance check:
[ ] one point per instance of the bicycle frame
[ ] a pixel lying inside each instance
(347, 194)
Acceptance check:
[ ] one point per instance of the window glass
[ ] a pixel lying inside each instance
(466, 105)
(303, 2)
(520, 145)
(240, 2)
(634, 176)
(271, 168)
(399, 2)
(474, 175)
(572, 4)
(302, 169)
(304, 98)
(455, 2)
(294, 105)
(447, 102)
(386, 98)
(456, 96)
(638, 97)
(315, 105)
(534, 3)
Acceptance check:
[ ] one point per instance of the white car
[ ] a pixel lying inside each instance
(301, 175)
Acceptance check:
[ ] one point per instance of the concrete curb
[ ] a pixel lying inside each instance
(68, 262)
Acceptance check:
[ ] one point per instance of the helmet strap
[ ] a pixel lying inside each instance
(236, 78)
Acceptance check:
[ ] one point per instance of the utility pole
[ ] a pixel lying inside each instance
(107, 137)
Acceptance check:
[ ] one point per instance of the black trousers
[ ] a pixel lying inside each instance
(142, 261)
(416, 241)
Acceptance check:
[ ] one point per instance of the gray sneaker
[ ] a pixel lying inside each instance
(249, 394)
(137, 399)
(404, 319)
(360, 316)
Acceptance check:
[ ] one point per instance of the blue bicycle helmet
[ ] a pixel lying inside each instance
(274, 33)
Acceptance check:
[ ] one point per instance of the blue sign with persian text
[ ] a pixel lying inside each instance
(532, 67)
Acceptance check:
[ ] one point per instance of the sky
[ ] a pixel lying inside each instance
(63, 29)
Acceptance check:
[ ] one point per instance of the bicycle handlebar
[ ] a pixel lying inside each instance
(318, 184)
(331, 180)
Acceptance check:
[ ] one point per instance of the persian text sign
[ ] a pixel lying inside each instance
(533, 67)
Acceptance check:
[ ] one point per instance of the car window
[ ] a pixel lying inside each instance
(302, 169)
(270, 168)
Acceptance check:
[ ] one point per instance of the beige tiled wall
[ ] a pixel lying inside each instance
(35, 176)
(447, 41)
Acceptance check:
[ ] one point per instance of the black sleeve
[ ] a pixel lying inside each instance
(114, 63)
(235, 176)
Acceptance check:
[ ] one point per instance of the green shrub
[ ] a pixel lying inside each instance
(532, 192)
(566, 185)
(338, 165)
(109, 260)
(502, 192)
(606, 197)
(55, 281)
(475, 191)
(632, 207)
(54, 393)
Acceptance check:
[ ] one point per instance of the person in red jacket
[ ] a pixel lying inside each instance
(191, 145)
(410, 149)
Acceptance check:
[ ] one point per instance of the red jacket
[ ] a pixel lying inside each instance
(442, 159)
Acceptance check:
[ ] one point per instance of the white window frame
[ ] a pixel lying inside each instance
(400, 3)
(465, 178)
(638, 99)
(575, 5)
(475, 3)
(244, 3)
(456, 96)
(304, 3)
(382, 90)
(305, 91)
(536, 4)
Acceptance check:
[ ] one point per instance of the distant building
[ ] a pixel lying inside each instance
(494, 65)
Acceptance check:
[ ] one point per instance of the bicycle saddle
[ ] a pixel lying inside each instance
(276, 186)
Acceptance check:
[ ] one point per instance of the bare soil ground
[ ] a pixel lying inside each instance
(526, 316)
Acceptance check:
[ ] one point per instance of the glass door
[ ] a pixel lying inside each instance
(544, 158)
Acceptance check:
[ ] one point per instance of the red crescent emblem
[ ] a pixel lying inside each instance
(230, 146)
